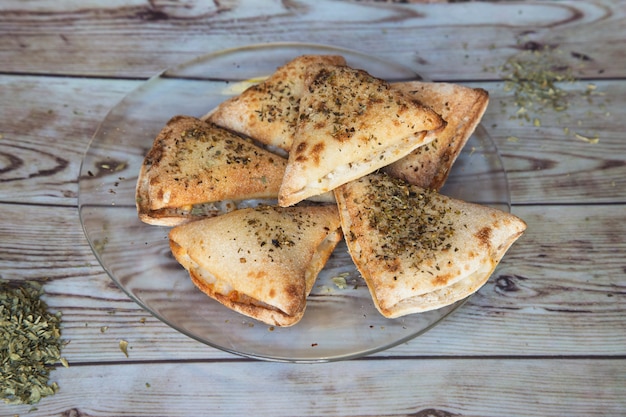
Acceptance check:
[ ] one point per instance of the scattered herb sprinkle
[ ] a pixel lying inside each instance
(534, 76)
(31, 344)
(538, 76)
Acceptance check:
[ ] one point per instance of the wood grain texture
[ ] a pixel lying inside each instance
(546, 336)
(36, 169)
(385, 388)
(546, 161)
(560, 290)
(140, 38)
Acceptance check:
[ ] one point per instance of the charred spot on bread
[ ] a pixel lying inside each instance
(484, 236)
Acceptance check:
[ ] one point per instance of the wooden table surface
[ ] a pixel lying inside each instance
(546, 336)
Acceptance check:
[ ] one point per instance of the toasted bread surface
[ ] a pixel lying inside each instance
(261, 262)
(417, 249)
(193, 162)
(268, 111)
(462, 108)
(350, 124)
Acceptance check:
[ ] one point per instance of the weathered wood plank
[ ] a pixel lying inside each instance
(554, 157)
(57, 107)
(41, 170)
(545, 337)
(560, 290)
(48, 123)
(137, 39)
(429, 387)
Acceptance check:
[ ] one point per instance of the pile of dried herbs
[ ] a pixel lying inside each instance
(30, 344)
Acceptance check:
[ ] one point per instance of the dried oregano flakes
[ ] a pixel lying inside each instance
(542, 80)
(30, 343)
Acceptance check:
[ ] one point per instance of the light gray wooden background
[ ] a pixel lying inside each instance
(545, 337)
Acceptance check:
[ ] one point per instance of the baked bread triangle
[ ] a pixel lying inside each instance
(417, 249)
(193, 164)
(261, 262)
(268, 111)
(462, 108)
(350, 124)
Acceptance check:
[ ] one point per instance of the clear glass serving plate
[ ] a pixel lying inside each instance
(339, 322)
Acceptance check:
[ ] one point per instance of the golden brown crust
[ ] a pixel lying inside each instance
(350, 124)
(462, 108)
(268, 111)
(416, 249)
(193, 162)
(260, 262)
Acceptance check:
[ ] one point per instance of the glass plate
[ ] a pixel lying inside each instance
(339, 323)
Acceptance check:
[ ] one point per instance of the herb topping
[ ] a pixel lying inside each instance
(411, 221)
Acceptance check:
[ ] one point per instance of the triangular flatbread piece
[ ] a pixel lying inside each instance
(419, 250)
(261, 262)
(350, 124)
(462, 108)
(193, 164)
(268, 111)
